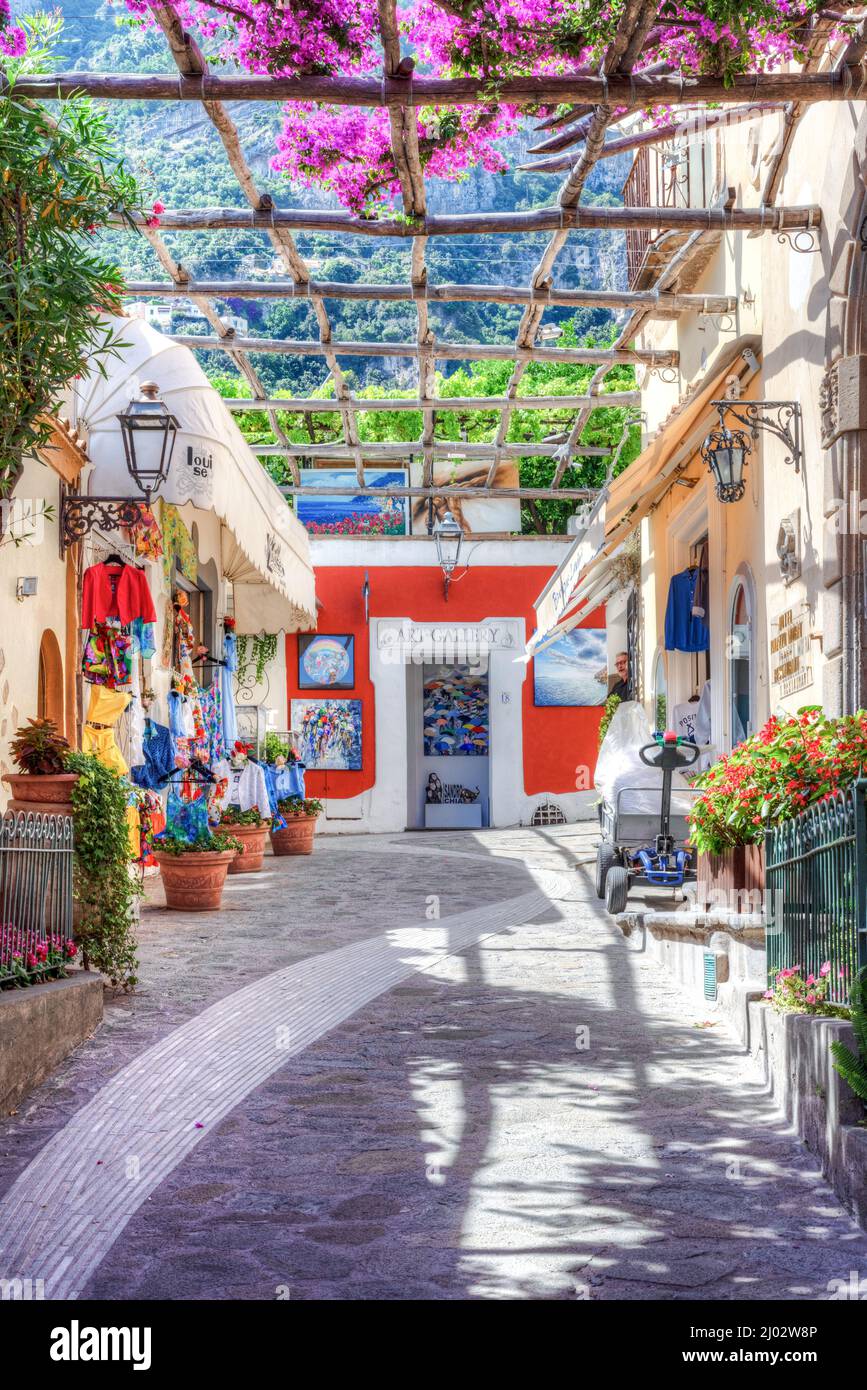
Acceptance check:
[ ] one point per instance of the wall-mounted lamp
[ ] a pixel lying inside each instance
(448, 537)
(725, 451)
(148, 430)
(26, 588)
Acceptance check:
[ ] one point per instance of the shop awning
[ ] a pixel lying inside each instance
(265, 549)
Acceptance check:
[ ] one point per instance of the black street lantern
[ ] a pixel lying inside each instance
(448, 536)
(725, 452)
(149, 431)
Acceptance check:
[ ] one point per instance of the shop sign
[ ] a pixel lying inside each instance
(193, 475)
(414, 643)
(274, 556)
(791, 650)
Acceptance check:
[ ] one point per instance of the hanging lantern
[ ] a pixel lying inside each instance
(725, 452)
(149, 431)
(448, 537)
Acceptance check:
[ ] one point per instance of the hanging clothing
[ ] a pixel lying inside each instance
(152, 822)
(685, 631)
(683, 719)
(107, 655)
(212, 721)
(247, 787)
(136, 732)
(700, 597)
(97, 735)
(187, 817)
(159, 756)
(289, 781)
(226, 672)
(703, 731)
(115, 591)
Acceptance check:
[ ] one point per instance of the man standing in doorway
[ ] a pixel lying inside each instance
(620, 687)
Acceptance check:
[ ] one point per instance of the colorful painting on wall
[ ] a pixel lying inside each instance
(326, 662)
(455, 712)
(568, 672)
(327, 734)
(351, 514)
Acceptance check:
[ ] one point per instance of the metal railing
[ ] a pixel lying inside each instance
(816, 874)
(35, 893)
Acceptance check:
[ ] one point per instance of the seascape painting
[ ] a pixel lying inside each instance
(566, 673)
(352, 514)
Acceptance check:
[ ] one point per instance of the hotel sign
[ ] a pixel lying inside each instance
(791, 652)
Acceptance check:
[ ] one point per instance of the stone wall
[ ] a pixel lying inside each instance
(39, 1026)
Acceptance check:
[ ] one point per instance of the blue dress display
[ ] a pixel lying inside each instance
(230, 657)
(685, 631)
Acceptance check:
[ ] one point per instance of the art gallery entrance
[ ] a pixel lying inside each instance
(448, 729)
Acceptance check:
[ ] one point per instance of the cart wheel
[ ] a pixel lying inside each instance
(616, 889)
(606, 855)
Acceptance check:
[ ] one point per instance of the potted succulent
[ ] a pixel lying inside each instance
(251, 830)
(299, 815)
(42, 783)
(194, 871)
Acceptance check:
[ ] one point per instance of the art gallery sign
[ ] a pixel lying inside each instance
(403, 642)
(791, 653)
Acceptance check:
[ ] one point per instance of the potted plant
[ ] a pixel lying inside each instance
(251, 830)
(300, 815)
(42, 784)
(194, 871)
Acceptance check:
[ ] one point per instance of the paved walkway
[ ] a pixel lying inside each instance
(412, 1067)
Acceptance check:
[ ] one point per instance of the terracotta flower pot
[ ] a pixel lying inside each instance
(45, 794)
(296, 837)
(194, 882)
(252, 837)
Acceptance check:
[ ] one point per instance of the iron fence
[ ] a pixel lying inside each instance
(35, 894)
(815, 880)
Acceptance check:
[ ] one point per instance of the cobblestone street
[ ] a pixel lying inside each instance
(326, 1090)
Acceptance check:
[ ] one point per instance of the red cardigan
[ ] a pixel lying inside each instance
(116, 591)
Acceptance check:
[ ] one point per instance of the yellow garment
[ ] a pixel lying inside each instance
(106, 706)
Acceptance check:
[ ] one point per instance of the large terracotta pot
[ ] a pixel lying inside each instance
(737, 870)
(45, 794)
(296, 837)
(252, 837)
(194, 882)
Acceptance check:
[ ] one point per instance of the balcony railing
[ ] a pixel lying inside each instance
(671, 175)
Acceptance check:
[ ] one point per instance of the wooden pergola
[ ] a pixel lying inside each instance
(595, 102)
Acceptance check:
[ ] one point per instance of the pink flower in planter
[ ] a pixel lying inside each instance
(768, 994)
(810, 980)
(811, 998)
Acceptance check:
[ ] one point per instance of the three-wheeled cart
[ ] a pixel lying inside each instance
(640, 845)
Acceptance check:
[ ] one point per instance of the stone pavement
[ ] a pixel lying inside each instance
(327, 1090)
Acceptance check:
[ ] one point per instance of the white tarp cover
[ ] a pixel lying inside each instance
(619, 766)
(265, 549)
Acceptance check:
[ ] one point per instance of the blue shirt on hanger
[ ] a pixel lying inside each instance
(685, 631)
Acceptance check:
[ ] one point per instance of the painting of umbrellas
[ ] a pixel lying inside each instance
(455, 712)
(327, 734)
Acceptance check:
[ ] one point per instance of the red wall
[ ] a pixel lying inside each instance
(556, 740)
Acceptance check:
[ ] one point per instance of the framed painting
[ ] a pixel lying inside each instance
(455, 712)
(326, 661)
(348, 513)
(327, 734)
(568, 672)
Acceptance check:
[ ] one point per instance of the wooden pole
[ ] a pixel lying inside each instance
(559, 219)
(444, 489)
(664, 304)
(449, 450)
(329, 406)
(634, 92)
(443, 352)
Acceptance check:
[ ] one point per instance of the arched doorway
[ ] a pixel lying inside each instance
(50, 690)
(740, 642)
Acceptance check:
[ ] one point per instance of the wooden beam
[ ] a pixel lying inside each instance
(664, 304)
(299, 404)
(634, 92)
(447, 448)
(559, 219)
(442, 352)
(444, 489)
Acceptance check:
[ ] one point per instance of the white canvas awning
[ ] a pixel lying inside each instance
(265, 549)
(557, 601)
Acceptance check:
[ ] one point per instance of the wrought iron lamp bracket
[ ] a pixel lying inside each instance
(80, 514)
(779, 418)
